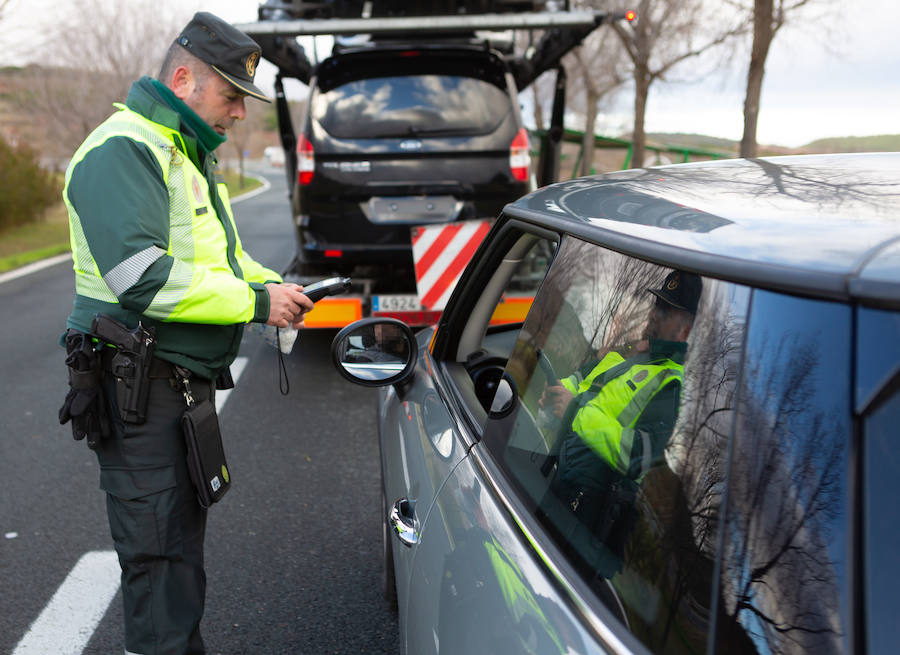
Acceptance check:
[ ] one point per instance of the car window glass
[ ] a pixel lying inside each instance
(411, 106)
(882, 526)
(626, 470)
(518, 277)
(520, 289)
(784, 558)
(878, 350)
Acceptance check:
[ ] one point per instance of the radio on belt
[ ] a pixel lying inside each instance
(329, 287)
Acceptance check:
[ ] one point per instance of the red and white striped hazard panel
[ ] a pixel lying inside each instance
(440, 253)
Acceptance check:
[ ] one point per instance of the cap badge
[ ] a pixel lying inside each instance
(252, 61)
(672, 284)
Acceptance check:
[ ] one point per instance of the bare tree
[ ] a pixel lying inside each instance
(594, 70)
(768, 17)
(90, 54)
(665, 34)
(542, 87)
(598, 68)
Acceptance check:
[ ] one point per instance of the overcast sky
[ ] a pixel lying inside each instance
(814, 87)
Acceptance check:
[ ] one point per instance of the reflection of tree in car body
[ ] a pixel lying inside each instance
(619, 411)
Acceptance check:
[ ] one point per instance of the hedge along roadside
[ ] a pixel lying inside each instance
(57, 230)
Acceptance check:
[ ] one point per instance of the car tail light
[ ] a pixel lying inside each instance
(306, 161)
(519, 157)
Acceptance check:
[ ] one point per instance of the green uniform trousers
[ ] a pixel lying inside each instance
(156, 522)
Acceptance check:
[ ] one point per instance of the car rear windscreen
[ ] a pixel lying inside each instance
(410, 106)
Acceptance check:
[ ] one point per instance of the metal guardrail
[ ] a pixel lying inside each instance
(606, 142)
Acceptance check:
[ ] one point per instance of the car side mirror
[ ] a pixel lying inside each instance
(375, 352)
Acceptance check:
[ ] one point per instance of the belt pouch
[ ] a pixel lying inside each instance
(205, 454)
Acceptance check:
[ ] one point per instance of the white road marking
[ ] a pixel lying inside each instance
(34, 267)
(237, 367)
(70, 618)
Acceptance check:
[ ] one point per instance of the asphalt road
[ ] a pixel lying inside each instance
(293, 551)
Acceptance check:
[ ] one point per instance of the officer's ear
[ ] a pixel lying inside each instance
(182, 83)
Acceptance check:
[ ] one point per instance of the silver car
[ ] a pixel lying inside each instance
(689, 444)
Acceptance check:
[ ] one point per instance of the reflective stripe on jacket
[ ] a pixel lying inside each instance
(608, 411)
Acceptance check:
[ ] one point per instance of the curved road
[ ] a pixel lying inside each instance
(293, 551)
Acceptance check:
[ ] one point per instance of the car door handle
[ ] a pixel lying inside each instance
(403, 519)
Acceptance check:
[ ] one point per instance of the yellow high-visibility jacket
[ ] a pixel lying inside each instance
(608, 410)
(154, 239)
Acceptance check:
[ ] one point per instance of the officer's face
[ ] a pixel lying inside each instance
(217, 102)
(667, 323)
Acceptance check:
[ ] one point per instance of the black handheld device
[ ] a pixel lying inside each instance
(328, 287)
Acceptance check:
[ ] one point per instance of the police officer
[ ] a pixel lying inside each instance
(619, 413)
(154, 241)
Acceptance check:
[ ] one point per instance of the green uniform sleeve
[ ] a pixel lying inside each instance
(123, 205)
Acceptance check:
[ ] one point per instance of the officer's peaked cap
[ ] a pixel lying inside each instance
(230, 52)
(680, 290)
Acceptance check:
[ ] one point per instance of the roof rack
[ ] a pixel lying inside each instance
(295, 9)
(419, 24)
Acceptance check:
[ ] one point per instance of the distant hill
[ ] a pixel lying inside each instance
(717, 144)
(880, 143)
(693, 141)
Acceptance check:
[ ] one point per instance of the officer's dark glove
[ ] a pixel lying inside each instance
(84, 404)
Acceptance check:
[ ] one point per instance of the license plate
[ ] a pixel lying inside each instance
(395, 303)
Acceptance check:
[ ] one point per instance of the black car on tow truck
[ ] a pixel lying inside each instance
(412, 123)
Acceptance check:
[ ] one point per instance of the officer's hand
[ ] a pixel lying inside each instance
(287, 305)
(556, 399)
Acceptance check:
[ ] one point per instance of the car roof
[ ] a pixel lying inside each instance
(821, 225)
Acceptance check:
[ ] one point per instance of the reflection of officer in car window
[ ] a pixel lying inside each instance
(619, 413)
(390, 340)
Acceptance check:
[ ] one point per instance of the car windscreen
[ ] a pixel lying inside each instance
(425, 105)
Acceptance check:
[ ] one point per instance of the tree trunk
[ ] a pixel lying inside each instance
(763, 32)
(638, 137)
(587, 142)
(538, 107)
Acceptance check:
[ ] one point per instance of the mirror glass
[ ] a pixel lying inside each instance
(375, 352)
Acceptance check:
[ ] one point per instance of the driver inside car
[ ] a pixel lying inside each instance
(618, 413)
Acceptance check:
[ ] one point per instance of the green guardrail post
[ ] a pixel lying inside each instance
(627, 163)
(578, 161)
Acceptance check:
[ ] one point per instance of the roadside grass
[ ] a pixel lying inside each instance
(45, 237)
(49, 235)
